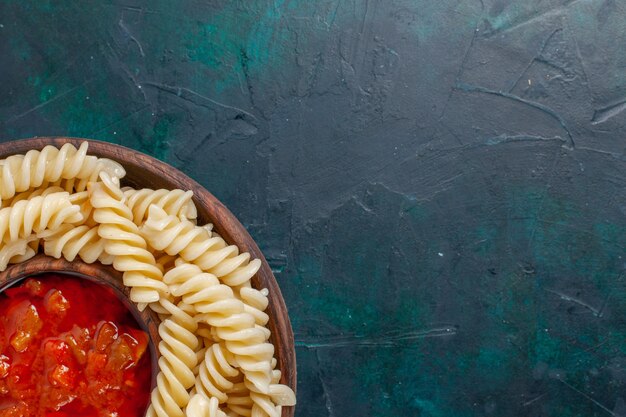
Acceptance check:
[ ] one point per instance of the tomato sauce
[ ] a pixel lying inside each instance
(70, 348)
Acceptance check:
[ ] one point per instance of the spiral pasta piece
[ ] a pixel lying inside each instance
(201, 406)
(178, 359)
(15, 252)
(20, 172)
(35, 192)
(255, 302)
(174, 202)
(69, 242)
(37, 214)
(193, 243)
(239, 402)
(215, 373)
(245, 400)
(217, 305)
(123, 242)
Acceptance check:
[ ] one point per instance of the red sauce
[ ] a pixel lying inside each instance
(70, 348)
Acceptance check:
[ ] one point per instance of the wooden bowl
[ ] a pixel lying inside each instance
(143, 171)
(102, 274)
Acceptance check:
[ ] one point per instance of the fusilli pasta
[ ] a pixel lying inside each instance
(201, 406)
(123, 242)
(37, 214)
(20, 172)
(193, 243)
(178, 359)
(175, 202)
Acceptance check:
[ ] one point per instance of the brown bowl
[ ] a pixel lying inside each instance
(143, 171)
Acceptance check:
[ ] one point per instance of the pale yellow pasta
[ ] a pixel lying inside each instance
(27, 217)
(201, 406)
(244, 401)
(239, 402)
(175, 202)
(178, 359)
(216, 372)
(181, 237)
(255, 302)
(21, 172)
(15, 252)
(71, 241)
(123, 242)
(35, 192)
(216, 304)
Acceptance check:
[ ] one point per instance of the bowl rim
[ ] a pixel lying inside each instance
(138, 166)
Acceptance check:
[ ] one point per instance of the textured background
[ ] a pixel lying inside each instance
(439, 186)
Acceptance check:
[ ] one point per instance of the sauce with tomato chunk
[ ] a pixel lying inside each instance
(70, 348)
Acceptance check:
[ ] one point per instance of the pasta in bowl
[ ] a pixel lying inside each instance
(226, 346)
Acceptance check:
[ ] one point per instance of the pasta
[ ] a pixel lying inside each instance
(178, 359)
(15, 252)
(215, 373)
(27, 195)
(201, 406)
(37, 214)
(69, 241)
(20, 172)
(217, 306)
(215, 356)
(123, 242)
(176, 236)
(176, 202)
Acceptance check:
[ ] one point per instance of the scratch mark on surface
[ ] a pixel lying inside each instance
(521, 138)
(553, 12)
(128, 116)
(534, 400)
(367, 6)
(45, 103)
(605, 113)
(125, 29)
(579, 56)
(459, 73)
(120, 63)
(596, 312)
(616, 155)
(387, 339)
(573, 388)
(188, 94)
(541, 107)
(540, 52)
(328, 401)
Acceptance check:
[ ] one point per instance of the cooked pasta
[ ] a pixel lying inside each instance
(176, 202)
(217, 305)
(123, 242)
(37, 214)
(215, 357)
(239, 402)
(201, 406)
(35, 192)
(216, 372)
(178, 359)
(20, 172)
(69, 241)
(193, 243)
(255, 302)
(15, 252)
